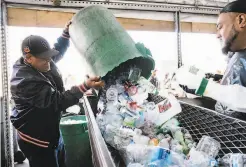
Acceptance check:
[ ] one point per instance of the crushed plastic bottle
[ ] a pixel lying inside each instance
(160, 136)
(152, 112)
(233, 160)
(145, 84)
(112, 95)
(209, 146)
(153, 156)
(164, 143)
(179, 136)
(101, 122)
(139, 122)
(140, 139)
(134, 74)
(176, 147)
(123, 131)
(149, 129)
(121, 143)
(138, 153)
(201, 159)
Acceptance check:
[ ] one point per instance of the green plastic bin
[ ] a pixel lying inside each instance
(104, 43)
(76, 140)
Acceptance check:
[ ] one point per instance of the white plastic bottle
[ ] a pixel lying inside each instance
(231, 95)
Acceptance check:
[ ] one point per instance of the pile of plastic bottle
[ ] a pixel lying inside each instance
(142, 126)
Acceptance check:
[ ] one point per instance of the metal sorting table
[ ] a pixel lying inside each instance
(199, 121)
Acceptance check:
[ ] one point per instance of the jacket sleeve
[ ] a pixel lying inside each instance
(42, 95)
(61, 45)
(233, 96)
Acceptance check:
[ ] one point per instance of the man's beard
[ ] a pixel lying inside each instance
(228, 43)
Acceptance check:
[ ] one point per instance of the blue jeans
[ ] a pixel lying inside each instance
(44, 157)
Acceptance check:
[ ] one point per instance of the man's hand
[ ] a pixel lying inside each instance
(67, 26)
(94, 82)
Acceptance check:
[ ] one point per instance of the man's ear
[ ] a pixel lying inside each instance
(28, 58)
(241, 20)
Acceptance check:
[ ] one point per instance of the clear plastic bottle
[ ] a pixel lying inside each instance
(209, 146)
(112, 95)
(233, 160)
(140, 139)
(152, 112)
(134, 74)
(201, 159)
(164, 143)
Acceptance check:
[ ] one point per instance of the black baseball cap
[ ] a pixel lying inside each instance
(238, 6)
(38, 47)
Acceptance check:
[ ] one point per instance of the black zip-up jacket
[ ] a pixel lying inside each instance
(40, 99)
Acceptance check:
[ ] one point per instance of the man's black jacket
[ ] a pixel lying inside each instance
(40, 99)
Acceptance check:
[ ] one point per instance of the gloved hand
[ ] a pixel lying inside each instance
(187, 90)
(192, 78)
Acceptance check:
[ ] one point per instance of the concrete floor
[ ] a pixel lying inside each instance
(24, 164)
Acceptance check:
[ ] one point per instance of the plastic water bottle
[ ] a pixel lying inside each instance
(233, 160)
(146, 85)
(139, 122)
(201, 159)
(112, 95)
(209, 146)
(152, 112)
(138, 153)
(129, 121)
(134, 74)
(101, 122)
(120, 88)
(121, 142)
(140, 139)
(164, 143)
(110, 132)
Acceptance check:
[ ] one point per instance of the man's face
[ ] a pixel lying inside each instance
(229, 28)
(226, 31)
(41, 64)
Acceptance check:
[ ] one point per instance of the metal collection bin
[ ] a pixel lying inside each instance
(230, 132)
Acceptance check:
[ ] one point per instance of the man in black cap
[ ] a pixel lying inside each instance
(231, 30)
(39, 96)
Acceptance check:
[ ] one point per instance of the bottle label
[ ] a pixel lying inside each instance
(127, 127)
(213, 163)
(164, 106)
(193, 70)
(112, 95)
(160, 154)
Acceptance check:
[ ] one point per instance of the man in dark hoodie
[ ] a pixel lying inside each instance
(40, 99)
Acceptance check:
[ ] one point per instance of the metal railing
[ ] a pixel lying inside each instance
(230, 132)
